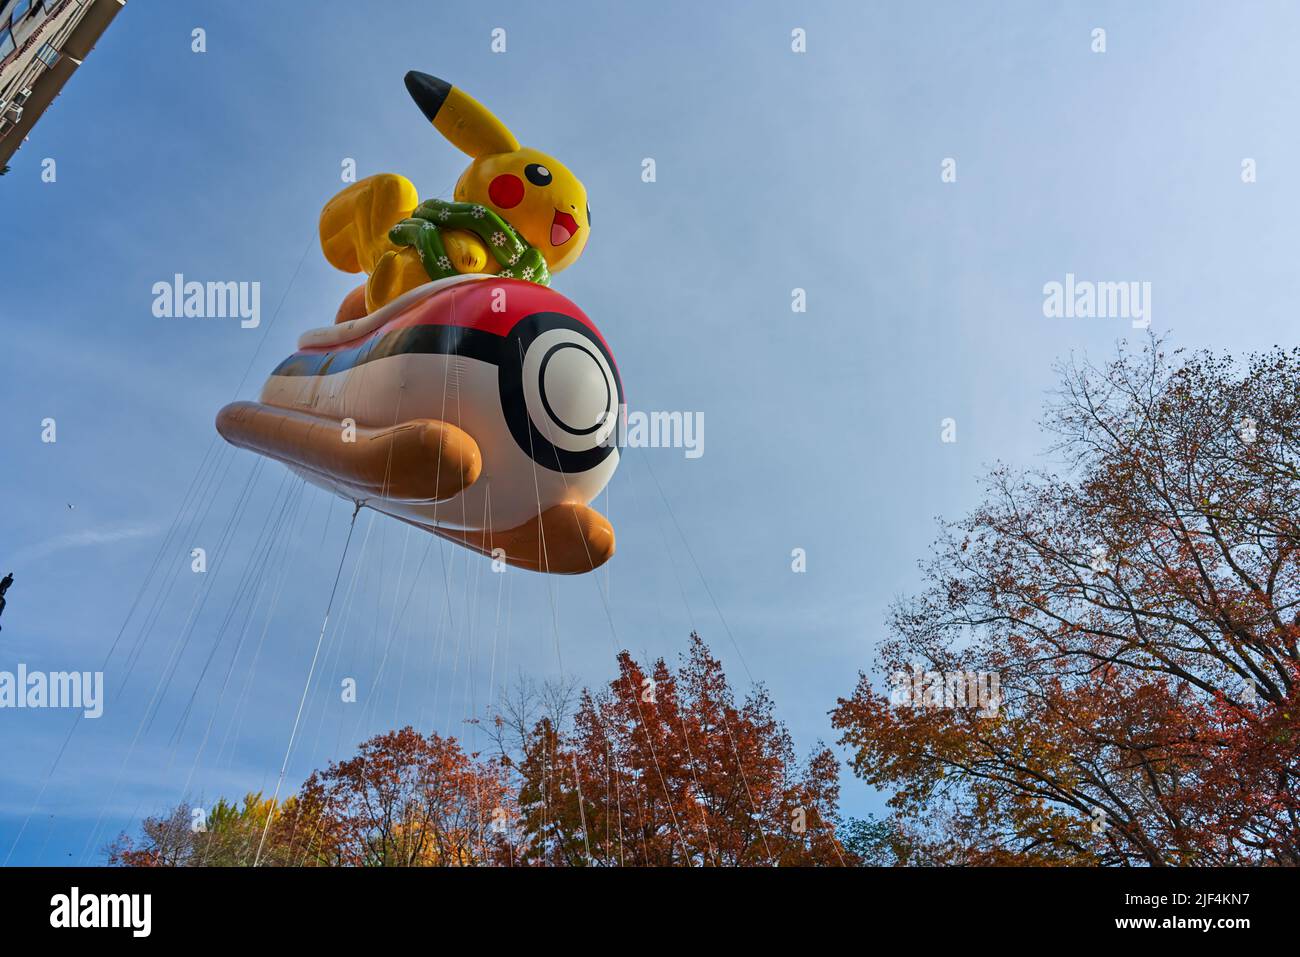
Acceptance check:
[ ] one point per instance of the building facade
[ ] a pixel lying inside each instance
(42, 42)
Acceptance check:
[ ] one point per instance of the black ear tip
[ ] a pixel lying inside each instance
(429, 92)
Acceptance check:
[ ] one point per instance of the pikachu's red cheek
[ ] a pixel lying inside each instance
(506, 191)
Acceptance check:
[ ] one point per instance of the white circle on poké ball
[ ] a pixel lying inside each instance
(569, 389)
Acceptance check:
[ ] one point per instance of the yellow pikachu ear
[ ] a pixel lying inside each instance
(464, 121)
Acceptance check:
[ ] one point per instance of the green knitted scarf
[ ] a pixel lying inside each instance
(423, 231)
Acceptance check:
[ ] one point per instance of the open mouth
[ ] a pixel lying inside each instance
(563, 227)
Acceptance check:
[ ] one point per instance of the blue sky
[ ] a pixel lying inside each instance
(822, 430)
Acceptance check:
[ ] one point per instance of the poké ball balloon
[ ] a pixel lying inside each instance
(479, 408)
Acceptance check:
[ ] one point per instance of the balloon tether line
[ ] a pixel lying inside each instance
(284, 766)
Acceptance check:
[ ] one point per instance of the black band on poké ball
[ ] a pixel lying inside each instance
(514, 401)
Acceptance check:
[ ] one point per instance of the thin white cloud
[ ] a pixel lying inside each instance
(89, 538)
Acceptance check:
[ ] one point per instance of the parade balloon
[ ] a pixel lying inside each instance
(455, 390)
(479, 408)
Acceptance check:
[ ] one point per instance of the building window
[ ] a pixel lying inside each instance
(47, 55)
(6, 43)
(20, 10)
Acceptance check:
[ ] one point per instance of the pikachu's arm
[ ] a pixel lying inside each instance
(467, 252)
(354, 224)
(400, 270)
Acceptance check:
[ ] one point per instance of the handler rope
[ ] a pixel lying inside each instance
(307, 685)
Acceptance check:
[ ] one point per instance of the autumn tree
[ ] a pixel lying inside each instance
(404, 799)
(662, 767)
(665, 768)
(1138, 603)
(227, 835)
(166, 840)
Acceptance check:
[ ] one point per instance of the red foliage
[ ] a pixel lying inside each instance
(664, 768)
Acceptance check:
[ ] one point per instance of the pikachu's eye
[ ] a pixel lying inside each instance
(537, 174)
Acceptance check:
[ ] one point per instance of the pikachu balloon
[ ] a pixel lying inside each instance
(522, 191)
(455, 390)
